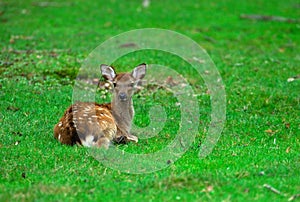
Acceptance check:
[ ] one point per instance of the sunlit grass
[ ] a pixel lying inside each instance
(43, 47)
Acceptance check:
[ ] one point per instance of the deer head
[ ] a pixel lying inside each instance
(123, 88)
(124, 83)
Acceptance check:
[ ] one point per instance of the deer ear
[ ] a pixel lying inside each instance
(139, 72)
(107, 72)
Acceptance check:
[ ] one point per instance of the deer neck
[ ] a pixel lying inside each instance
(123, 114)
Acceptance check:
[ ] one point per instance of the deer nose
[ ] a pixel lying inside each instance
(123, 96)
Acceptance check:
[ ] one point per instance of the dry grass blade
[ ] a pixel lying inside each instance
(294, 197)
(267, 186)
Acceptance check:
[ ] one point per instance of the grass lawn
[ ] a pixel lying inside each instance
(43, 45)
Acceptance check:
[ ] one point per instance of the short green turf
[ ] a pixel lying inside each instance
(43, 45)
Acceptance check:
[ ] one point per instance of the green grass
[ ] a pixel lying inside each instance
(42, 49)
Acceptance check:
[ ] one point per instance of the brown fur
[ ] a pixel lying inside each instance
(92, 124)
(83, 119)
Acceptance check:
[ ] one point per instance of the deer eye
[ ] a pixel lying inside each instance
(115, 84)
(131, 84)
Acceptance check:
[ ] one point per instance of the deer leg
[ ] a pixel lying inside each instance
(103, 142)
(123, 138)
(132, 138)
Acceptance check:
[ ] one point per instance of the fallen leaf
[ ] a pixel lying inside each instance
(170, 81)
(269, 131)
(128, 45)
(210, 188)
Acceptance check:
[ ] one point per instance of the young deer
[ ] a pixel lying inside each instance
(95, 125)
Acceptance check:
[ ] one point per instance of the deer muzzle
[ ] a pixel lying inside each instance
(122, 96)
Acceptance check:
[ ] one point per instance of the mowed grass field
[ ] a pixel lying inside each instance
(257, 158)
